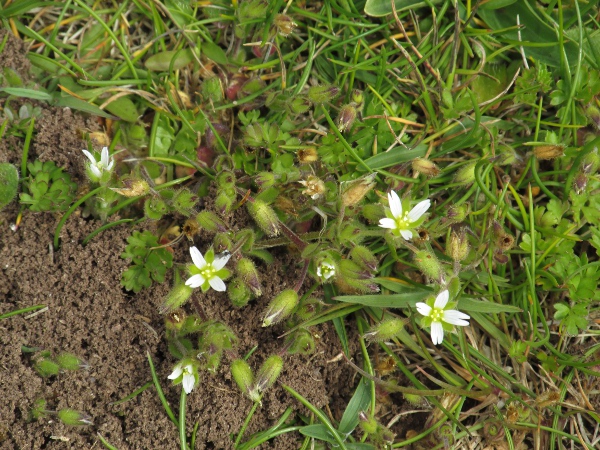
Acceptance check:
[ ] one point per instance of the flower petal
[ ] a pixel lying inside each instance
(388, 223)
(189, 380)
(90, 157)
(437, 333)
(423, 308)
(220, 260)
(420, 209)
(217, 284)
(455, 317)
(104, 157)
(406, 234)
(197, 257)
(97, 172)
(442, 299)
(195, 281)
(177, 371)
(395, 204)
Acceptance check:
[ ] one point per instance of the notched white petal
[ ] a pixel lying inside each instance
(437, 333)
(406, 234)
(188, 382)
(104, 157)
(423, 309)
(442, 299)
(217, 284)
(176, 373)
(90, 157)
(220, 260)
(420, 209)
(455, 317)
(395, 204)
(387, 223)
(197, 257)
(195, 281)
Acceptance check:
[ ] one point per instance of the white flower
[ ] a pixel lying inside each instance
(208, 271)
(401, 222)
(188, 379)
(325, 270)
(98, 168)
(439, 318)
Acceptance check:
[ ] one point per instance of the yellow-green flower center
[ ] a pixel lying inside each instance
(403, 222)
(436, 315)
(208, 272)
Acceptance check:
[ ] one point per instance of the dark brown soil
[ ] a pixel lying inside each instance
(90, 315)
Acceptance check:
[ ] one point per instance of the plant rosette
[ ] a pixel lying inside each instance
(208, 271)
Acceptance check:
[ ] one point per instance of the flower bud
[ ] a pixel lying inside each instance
(247, 272)
(346, 118)
(590, 162)
(580, 182)
(349, 270)
(280, 307)
(307, 155)
(132, 188)
(46, 367)
(222, 242)
(322, 94)
(503, 240)
(176, 298)
(354, 191)
(301, 342)
(252, 9)
(458, 213)
(226, 179)
(550, 151)
(426, 167)
(268, 373)
(457, 247)
(593, 115)
(414, 399)
(285, 25)
(238, 293)
(73, 418)
(385, 330)
(39, 409)
(373, 212)
(367, 423)
(506, 155)
(68, 361)
(308, 309)
(209, 221)
(358, 98)
(364, 258)
(265, 180)
(242, 375)
(427, 263)
(351, 233)
(466, 174)
(264, 216)
(224, 200)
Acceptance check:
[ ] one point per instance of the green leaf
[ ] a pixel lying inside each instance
(161, 62)
(28, 93)
(318, 431)
(359, 402)
(395, 156)
(386, 301)
(378, 8)
(215, 53)
(124, 108)
(9, 183)
(471, 305)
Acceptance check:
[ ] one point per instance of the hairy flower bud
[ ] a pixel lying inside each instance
(264, 216)
(210, 222)
(212, 89)
(590, 162)
(346, 117)
(358, 98)
(367, 423)
(355, 190)
(593, 115)
(428, 263)
(301, 342)
(268, 373)
(244, 378)
(280, 307)
(307, 155)
(247, 272)
(73, 418)
(373, 212)
(364, 258)
(385, 330)
(548, 151)
(457, 247)
(322, 94)
(238, 293)
(265, 180)
(224, 200)
(285, 25)
(132, 188)
(46, 367)
(68, 361)
(176, 298)
(458, 213)
(466, 174)
(426, 167)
